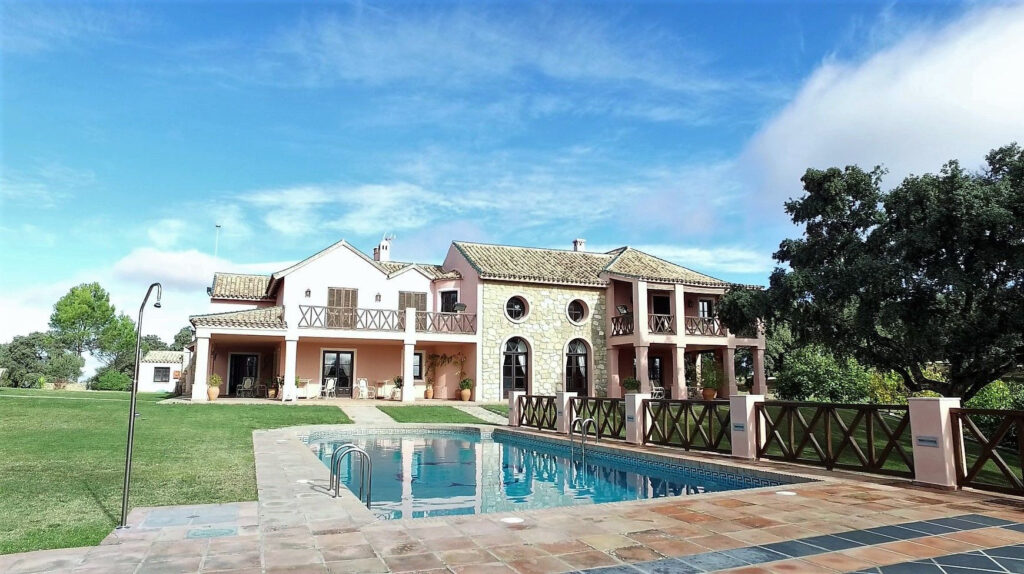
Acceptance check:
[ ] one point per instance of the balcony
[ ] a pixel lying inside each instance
(350, 318)
(457, 323)
(622, 325)
(705, 327)
(661, 324)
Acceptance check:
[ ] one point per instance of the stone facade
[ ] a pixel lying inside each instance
(547, 329)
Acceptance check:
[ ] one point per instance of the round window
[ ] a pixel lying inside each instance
(515, 308)
(577, 311)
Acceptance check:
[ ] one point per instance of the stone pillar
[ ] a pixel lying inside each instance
(745, 425)
(760, 386)
(408, 388)
(513, 407)
(679, 372)
(729, 370)
(201, 375)
(288, 390)
(563, 411)
(641, 369)
(614, 389)
(636, 423)
(931, 427)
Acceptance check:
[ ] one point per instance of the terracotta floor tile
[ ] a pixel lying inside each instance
(876, 555)
(837, 561)
(590, 559)
(796, 567)
(540, 565)
(495, 568)
(749, 570)
(717, 542)
(645, 536)
(636, 553)
(757, 522)
(367, 565)
(515, 551)
(413, 562)
(913, 549)
(466, 556)
(606, 541)
(730, 502)
(564, 547)
(450, 543)
(675, 548)
(949, 545)
(755, 536)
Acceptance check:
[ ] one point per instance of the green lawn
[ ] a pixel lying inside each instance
(497, 409)
(429, 414)
(62, 459)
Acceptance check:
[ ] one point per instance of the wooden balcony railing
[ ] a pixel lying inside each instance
(622, 324)
(351, 318)
(661, 324)
(461, 323)
(705, 326)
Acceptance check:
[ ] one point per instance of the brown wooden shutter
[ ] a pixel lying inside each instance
(412, 299)
(342, 297)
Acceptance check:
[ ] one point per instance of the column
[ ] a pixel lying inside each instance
(201, 376)
(729, 370)
(931, 427)
(563, 411)
(679, 311)
(760, 384)
(614, 390)
(745, 425)
(288, 390)
(641, 369)
(513, 407)
(408, 390)
(636, 423)
(640, 310)
(679, 372)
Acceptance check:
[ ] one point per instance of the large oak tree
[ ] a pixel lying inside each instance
(929, 272)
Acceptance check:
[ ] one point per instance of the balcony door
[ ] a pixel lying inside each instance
(338, 368)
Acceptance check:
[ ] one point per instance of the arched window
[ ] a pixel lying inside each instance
(514, 366)
(576, 367)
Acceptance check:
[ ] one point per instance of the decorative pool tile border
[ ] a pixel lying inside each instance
(618, 452)
(405, 430)
(822, 544)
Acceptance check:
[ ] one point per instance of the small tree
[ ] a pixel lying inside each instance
(80, 316)
(182, 338)
(813, 373)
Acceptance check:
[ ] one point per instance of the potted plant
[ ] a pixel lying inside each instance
(272, 388)
(466, 388)
(711, 381)
(631, 384)
(213, 387)
(434, 362)
(398, 381)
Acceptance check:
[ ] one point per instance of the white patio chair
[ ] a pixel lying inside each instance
(361, 391)
(247, 388)
(330, 389)
(657, 392)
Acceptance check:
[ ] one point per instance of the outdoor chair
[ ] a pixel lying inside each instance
(361, 391)
(248, 387)
(330, 389)
(657, 392)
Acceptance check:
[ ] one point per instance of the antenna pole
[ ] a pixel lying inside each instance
(216, 242)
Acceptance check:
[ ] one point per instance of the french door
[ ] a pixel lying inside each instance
(338, 370)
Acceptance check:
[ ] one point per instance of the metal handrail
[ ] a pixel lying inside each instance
(582, 423)
(365, 471)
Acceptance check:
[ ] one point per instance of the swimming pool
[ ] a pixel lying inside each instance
(420, 473)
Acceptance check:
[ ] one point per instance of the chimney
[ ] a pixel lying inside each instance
(579, 244)
(383, 250)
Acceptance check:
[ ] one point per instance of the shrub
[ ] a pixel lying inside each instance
(812, 373)
(631, 384)
(886, 388)
(111, 380)
(398, 380)
(466, 384)
(998, 395)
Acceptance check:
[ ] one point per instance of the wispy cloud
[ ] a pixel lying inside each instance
(45, 185)
(36, 27)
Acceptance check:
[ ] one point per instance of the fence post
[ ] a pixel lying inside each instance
(931, 427)
(744, 419)
(636, 422)
(563, 411)
(513, 407)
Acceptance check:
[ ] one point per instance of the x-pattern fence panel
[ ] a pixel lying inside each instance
(446, 322)
(537, 411)
(706, 326)
(988, 449)
(351, 318)
(693, 425)
(871, 438)
(609, 415)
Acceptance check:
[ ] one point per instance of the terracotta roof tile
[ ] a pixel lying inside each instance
(239, 286)
(261, 318)
(163, 357)
(634, 263)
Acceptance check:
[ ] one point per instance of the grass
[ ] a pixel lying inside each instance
(497, 409)
(430, 414)
(63, 460)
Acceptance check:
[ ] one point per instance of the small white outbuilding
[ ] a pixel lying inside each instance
(160, 371)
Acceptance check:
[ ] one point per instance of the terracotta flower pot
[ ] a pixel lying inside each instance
(465, 394)
(709, 394)
(429, 393)
(212, 393)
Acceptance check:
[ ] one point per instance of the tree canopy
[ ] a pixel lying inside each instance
(181, 338)
(929, 272)
(36, 356)
(80, 316)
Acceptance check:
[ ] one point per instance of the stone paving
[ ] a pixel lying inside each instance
(297, 527)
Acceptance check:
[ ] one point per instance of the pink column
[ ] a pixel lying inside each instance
(513, 407)
(679, 372)
(614, 390)
(641, 369)
(931, 427)
(563, 411)
(760, 386)
(744, 425)
(729, 370)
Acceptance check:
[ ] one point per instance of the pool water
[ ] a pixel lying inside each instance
(419, 474)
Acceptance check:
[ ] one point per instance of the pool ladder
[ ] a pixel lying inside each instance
(582, 425)
(365, 470)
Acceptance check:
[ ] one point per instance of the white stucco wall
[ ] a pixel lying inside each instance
(146, 384)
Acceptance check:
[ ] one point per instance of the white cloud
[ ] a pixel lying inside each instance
(44, 185)
(738, 260)
(34, 27)
(166, 233)
(937, 94)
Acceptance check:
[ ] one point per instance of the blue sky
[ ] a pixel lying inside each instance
(130, 129)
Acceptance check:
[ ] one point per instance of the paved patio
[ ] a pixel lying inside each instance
(843, 522)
